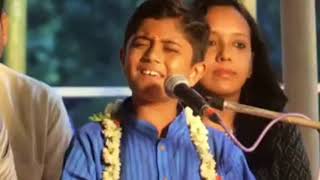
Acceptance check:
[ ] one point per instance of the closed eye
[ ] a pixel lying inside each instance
(139, 43)
(170, 49)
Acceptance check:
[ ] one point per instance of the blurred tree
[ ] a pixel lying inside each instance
(77, 42)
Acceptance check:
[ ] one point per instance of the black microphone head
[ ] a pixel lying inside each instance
(172, 81)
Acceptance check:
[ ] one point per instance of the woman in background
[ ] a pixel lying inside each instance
(238, 70)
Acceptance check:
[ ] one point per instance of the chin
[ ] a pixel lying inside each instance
(223, 91)
(150, 92)
(229, 95)
(150, 98)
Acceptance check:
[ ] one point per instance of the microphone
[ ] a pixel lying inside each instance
(177, 86)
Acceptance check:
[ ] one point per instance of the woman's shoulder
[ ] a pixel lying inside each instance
(289, 152)
(286, 134)
(284, 128)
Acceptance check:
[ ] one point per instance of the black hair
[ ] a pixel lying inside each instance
(2, 5)
(261, 90)
(195, 30)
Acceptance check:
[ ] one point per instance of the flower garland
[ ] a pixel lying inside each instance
(112, 134)
(199, 136)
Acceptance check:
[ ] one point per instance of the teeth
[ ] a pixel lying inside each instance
(151, 73)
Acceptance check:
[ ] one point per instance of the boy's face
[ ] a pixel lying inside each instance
(157, 50)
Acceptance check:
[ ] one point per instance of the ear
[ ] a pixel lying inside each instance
(4, 27)
(197, 73)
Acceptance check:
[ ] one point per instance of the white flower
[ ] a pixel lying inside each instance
(199, 137)
(111, 152)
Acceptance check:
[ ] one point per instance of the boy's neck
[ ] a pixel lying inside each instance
(159, 114)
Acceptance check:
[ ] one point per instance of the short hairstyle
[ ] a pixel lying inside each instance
(195, 30)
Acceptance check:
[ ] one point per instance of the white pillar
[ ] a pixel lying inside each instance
(16, 48)
(251, 5)
(300, 68)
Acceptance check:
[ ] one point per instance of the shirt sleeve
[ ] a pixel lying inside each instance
(84, 159)
(239, 169)
(231, 162)
(7, 168)
(58, 137)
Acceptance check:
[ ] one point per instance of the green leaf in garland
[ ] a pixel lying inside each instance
(97, 117)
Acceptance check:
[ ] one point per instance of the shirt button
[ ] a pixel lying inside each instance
(165, 178)
(162, 148)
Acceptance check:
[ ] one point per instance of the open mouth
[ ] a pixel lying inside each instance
(151, 73)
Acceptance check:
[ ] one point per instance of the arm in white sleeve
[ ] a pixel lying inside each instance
(58, 139)
(7, 168)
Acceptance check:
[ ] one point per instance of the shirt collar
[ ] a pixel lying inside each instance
(176, 128)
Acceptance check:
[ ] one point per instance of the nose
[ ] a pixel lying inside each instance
(223, 54)
(152, 55)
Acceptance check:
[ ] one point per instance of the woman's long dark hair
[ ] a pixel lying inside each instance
(2, 5)
(261, 89)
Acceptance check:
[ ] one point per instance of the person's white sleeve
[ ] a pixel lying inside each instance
(58, 139)
(7, 168)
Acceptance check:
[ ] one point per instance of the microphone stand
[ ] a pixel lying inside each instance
(245, 109)
(211, 114)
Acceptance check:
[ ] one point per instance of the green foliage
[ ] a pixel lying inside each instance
(77, 42)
